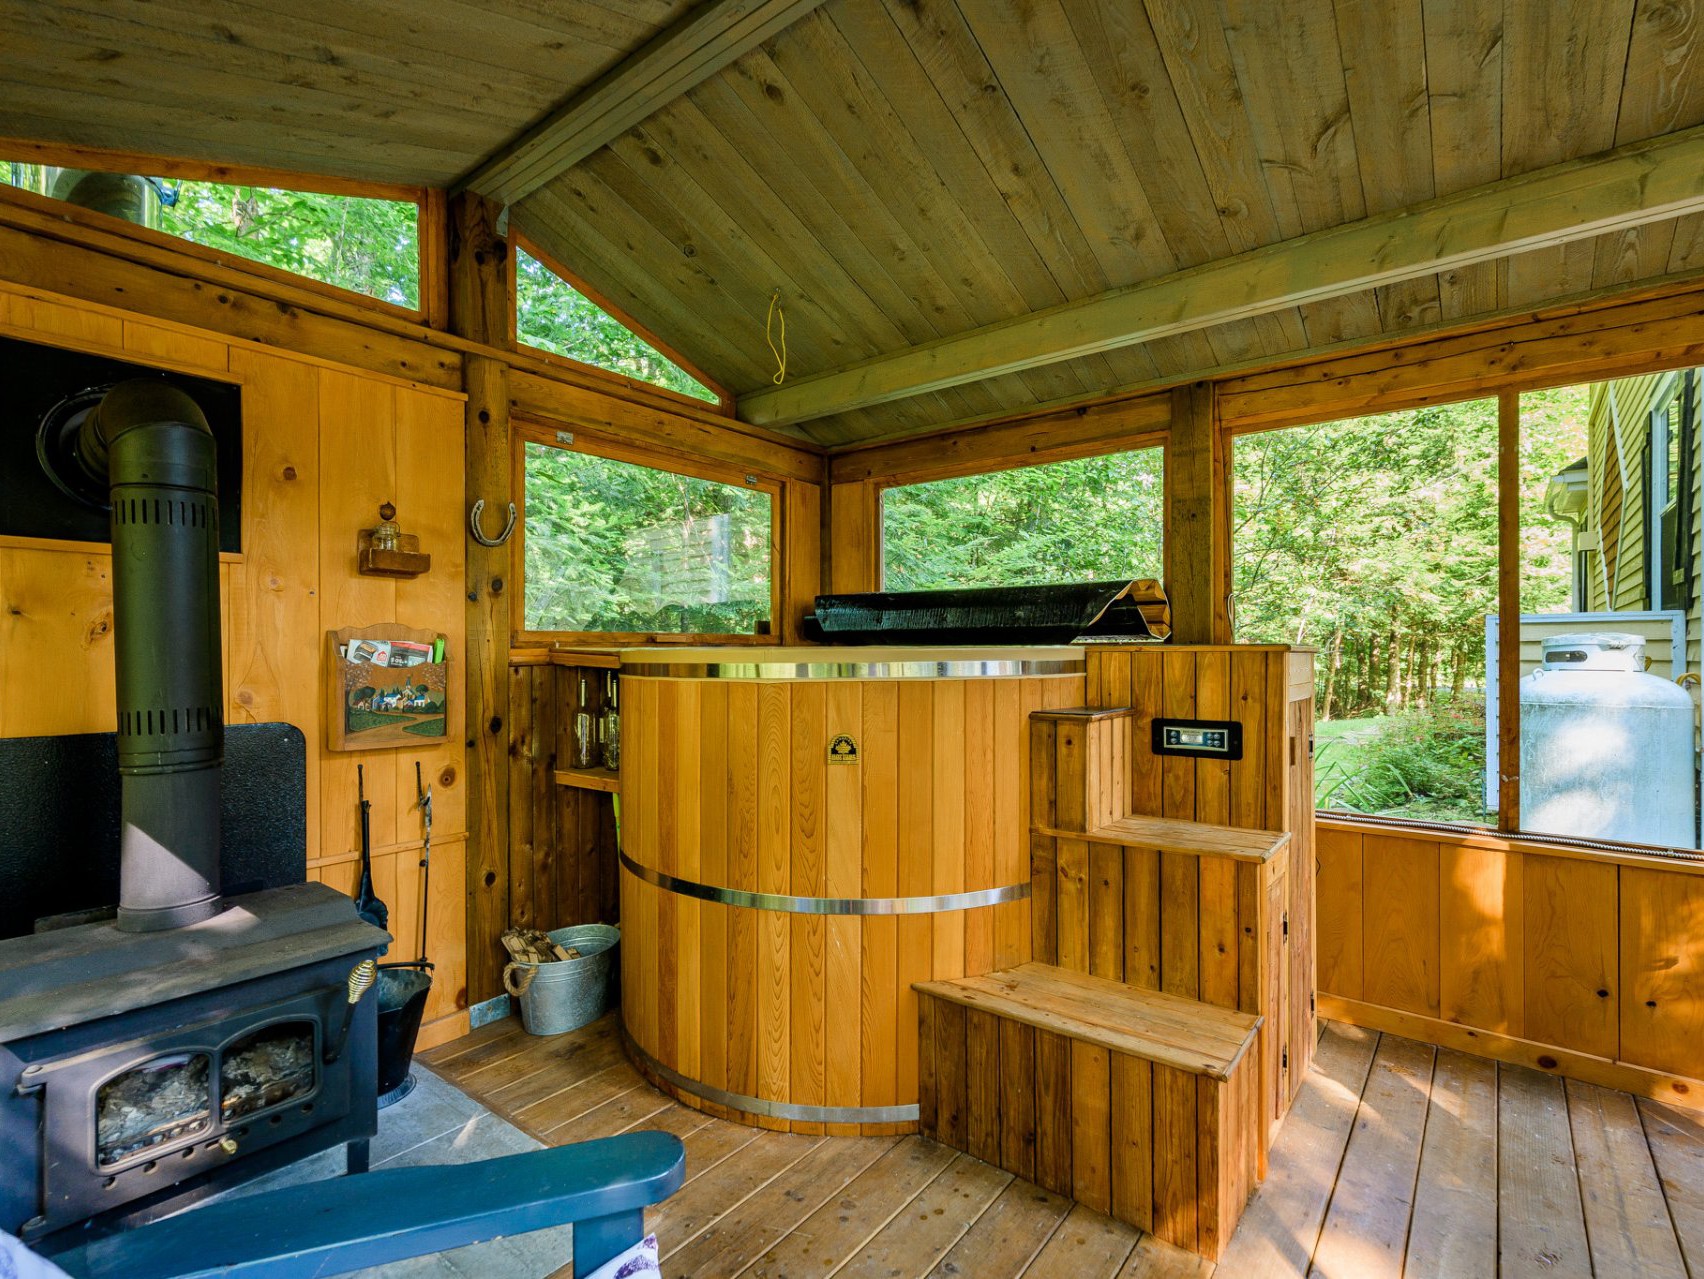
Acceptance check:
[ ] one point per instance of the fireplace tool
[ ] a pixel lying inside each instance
(367, 904)
(404, 986)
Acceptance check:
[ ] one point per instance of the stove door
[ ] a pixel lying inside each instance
(127, 1120)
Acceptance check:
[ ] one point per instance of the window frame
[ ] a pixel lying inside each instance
(431, 218)
(723, 405)
(1507, 710)
(576, 441)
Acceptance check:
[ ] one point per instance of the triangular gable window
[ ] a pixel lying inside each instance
(554, 316)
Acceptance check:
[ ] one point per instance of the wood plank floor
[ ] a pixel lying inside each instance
(1399, 1160)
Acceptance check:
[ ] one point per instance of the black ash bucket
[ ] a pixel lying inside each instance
(402, 991)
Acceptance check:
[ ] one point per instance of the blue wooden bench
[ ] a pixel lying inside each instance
(332, 1227)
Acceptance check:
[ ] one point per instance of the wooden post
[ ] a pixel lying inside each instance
(855, 537)
(1198, 519)
(799, 557)
(1508, 655)
(481, 307)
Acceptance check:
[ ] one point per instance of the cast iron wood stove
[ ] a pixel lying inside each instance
(190, 1041)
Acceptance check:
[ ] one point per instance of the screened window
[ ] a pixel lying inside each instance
(554, 316)
(615, 547)
(1375, 541)
(1609, 630)
(1086, 520)
(369, 246)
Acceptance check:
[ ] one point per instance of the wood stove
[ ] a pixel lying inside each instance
(139, 1072)
(192, 1040)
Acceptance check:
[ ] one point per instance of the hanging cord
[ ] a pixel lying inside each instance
(775, 309)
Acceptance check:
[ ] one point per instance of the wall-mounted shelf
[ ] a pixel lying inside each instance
(600, 779)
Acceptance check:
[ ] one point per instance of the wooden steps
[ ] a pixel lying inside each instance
(1171, 835)
(1181, 1033)
(1136, 1103)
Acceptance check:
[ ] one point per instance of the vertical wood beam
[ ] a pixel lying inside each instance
(1509, 611)
(482, 279)
(433, 231)
(855, 537)
(481, 308)
(1198, 519)
(799, 558)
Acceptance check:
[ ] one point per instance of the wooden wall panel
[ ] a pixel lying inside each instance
(1662, 971)
(1400, 924)
(323, 448)
(1482, 902)
(1339, 913)
(1569, 910)
(1561, 959)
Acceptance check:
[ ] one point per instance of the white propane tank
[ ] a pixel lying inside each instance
(1606, 750)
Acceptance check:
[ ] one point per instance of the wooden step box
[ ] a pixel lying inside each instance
(1133, 1102)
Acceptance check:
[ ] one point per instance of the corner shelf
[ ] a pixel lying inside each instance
(600, 779)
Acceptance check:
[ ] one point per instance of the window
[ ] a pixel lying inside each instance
(1088, 520)
(1375, 540)
(1609, 642)
(366, 245)
(553, 316)
(615, 547)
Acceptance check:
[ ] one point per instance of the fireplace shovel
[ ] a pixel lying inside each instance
(403, 987)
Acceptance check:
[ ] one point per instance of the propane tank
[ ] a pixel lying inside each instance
(1606, 749)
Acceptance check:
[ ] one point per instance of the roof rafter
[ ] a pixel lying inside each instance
(1632, 185)
(688, 53)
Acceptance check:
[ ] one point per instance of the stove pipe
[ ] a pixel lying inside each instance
(152, 443)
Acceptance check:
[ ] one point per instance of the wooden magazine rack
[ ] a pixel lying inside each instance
(371, 707)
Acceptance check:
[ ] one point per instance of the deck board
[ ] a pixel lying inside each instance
(1397, 1159)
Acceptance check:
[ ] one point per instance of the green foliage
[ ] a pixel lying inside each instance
(1424, 764)
(1376, 540)
(615, 547)
(368, 246)
(1093, 519)
(426, 727)
(552, 315)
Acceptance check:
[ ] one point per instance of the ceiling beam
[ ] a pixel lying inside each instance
(1627, 187)
(688, 53)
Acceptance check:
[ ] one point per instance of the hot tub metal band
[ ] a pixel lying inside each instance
(776, 1109)
(827, 905)
(756, 668)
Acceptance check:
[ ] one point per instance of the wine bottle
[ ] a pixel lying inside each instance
(585, 742)
(612, 723)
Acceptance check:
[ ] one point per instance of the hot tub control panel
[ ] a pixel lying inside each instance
(1205, 738)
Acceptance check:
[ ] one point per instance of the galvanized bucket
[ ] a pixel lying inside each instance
(567, 994)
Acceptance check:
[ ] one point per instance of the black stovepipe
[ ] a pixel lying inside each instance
(151, 442)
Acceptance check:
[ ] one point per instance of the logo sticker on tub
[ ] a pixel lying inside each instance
(843, 750)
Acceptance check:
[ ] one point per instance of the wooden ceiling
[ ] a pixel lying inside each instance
(898, 171)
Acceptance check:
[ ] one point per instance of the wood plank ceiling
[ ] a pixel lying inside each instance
(901, 170)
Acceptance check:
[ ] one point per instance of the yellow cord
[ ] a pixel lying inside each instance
(768, 325)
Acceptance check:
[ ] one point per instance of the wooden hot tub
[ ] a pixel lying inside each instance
(805, 833)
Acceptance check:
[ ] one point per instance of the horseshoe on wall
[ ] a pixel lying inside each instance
(479, 535)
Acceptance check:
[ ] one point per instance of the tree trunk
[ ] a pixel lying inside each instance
(1333, 662)
(1393, 672)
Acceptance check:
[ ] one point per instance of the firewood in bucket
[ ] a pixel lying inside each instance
(530, 946)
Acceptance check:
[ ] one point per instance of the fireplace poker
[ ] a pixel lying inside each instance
(423, 801)
(367, 904)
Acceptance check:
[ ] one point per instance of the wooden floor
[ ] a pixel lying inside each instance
(1398, 1160)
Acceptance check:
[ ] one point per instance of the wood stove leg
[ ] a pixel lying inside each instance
(358, 1156)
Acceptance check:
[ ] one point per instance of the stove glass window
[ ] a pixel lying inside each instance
(266, 1068)
(155, 1104)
